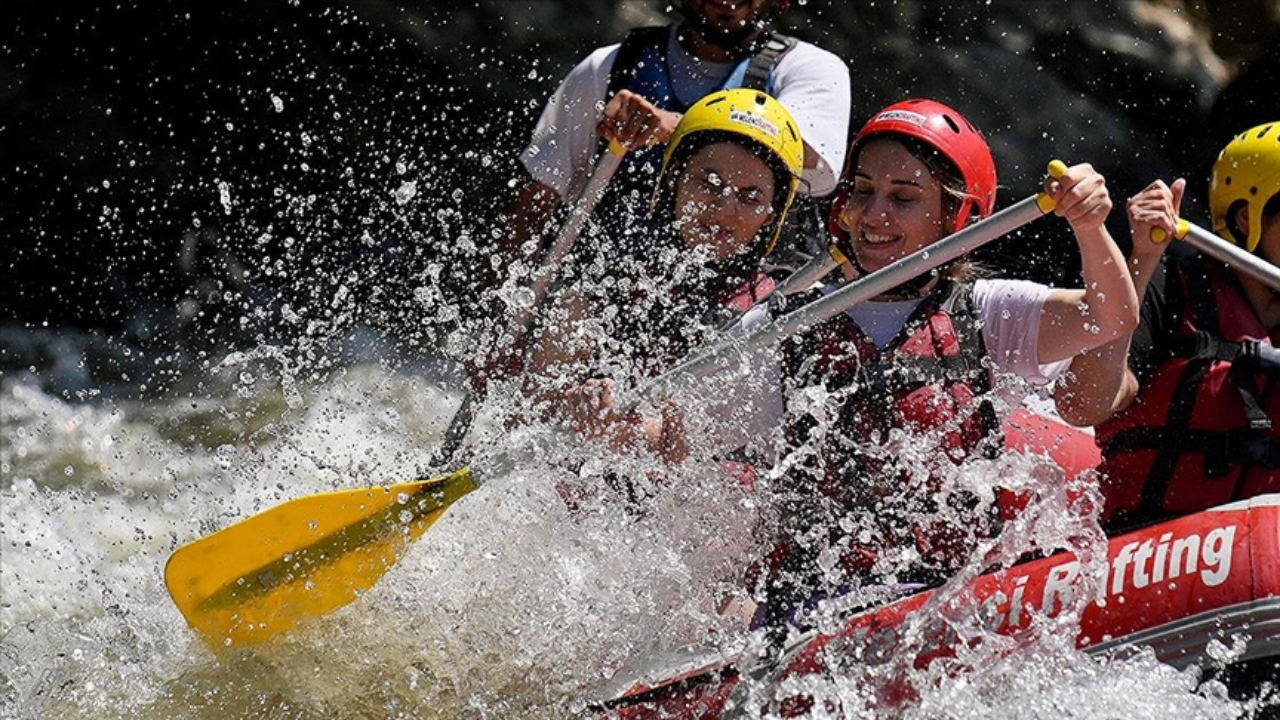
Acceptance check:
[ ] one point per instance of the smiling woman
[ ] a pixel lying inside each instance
(907, 375)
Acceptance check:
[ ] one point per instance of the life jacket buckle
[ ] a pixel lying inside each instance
(1265, 357)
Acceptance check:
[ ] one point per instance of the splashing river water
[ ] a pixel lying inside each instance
(510, 606)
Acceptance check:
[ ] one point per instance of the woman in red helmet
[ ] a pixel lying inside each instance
(882, 403)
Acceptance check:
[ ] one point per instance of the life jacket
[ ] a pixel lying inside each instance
(1203, 431)
(641, 66)
(846, 495)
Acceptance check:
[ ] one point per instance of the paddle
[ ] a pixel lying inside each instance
(606, 166)
(308, 557)
(1230, 254)
(877, 283)
(256, 579)
(304, 559)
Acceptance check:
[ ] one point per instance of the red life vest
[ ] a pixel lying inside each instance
(928, 382)
(1203, 430)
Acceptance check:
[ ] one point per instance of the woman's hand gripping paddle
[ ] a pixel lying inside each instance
(308, 557)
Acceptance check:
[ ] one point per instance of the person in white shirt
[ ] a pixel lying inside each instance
(635, 93)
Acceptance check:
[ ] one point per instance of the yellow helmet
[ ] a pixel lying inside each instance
(756, 117)
(1247, 170)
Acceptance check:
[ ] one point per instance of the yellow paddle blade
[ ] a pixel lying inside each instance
(308, 557)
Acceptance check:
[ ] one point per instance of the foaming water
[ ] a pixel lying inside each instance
(1038, 672)
(511, 605)
(535, 595)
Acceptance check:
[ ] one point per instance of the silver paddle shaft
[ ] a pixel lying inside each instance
(1233, 255)
(873, 285)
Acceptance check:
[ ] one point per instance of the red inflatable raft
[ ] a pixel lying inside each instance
(1175, 587)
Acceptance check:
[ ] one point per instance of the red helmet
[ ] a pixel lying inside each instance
(949, 133)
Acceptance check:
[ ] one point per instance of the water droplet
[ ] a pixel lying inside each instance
(224, 196)
(406, 192)
(523, 297)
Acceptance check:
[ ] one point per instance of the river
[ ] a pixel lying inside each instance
(512, 605)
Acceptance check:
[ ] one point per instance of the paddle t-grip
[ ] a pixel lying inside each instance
(1158, 235)
(1057, 169)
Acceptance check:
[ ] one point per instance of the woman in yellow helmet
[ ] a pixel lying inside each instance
(730, 173)
(1192, 419)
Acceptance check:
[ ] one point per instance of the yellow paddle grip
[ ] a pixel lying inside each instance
(1057, 169)
(1158, 235)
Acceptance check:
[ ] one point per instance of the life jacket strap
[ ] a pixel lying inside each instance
(765, 58)
(1221, 448)
(1246, 358)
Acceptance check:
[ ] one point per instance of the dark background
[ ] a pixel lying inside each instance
(173, 167)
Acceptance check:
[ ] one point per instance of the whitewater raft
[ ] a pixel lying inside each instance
(1181, 588)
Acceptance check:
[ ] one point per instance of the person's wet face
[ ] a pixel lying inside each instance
(895, 205)
(723, 199)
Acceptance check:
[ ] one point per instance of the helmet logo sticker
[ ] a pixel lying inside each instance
(904, 116)
(755, 121)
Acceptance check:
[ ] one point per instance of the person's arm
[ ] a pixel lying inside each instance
(557, 162)
(1100, 382)
(813, 85)
(591, 410)
(1106, 308)
(560, 354)
(527, 224)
